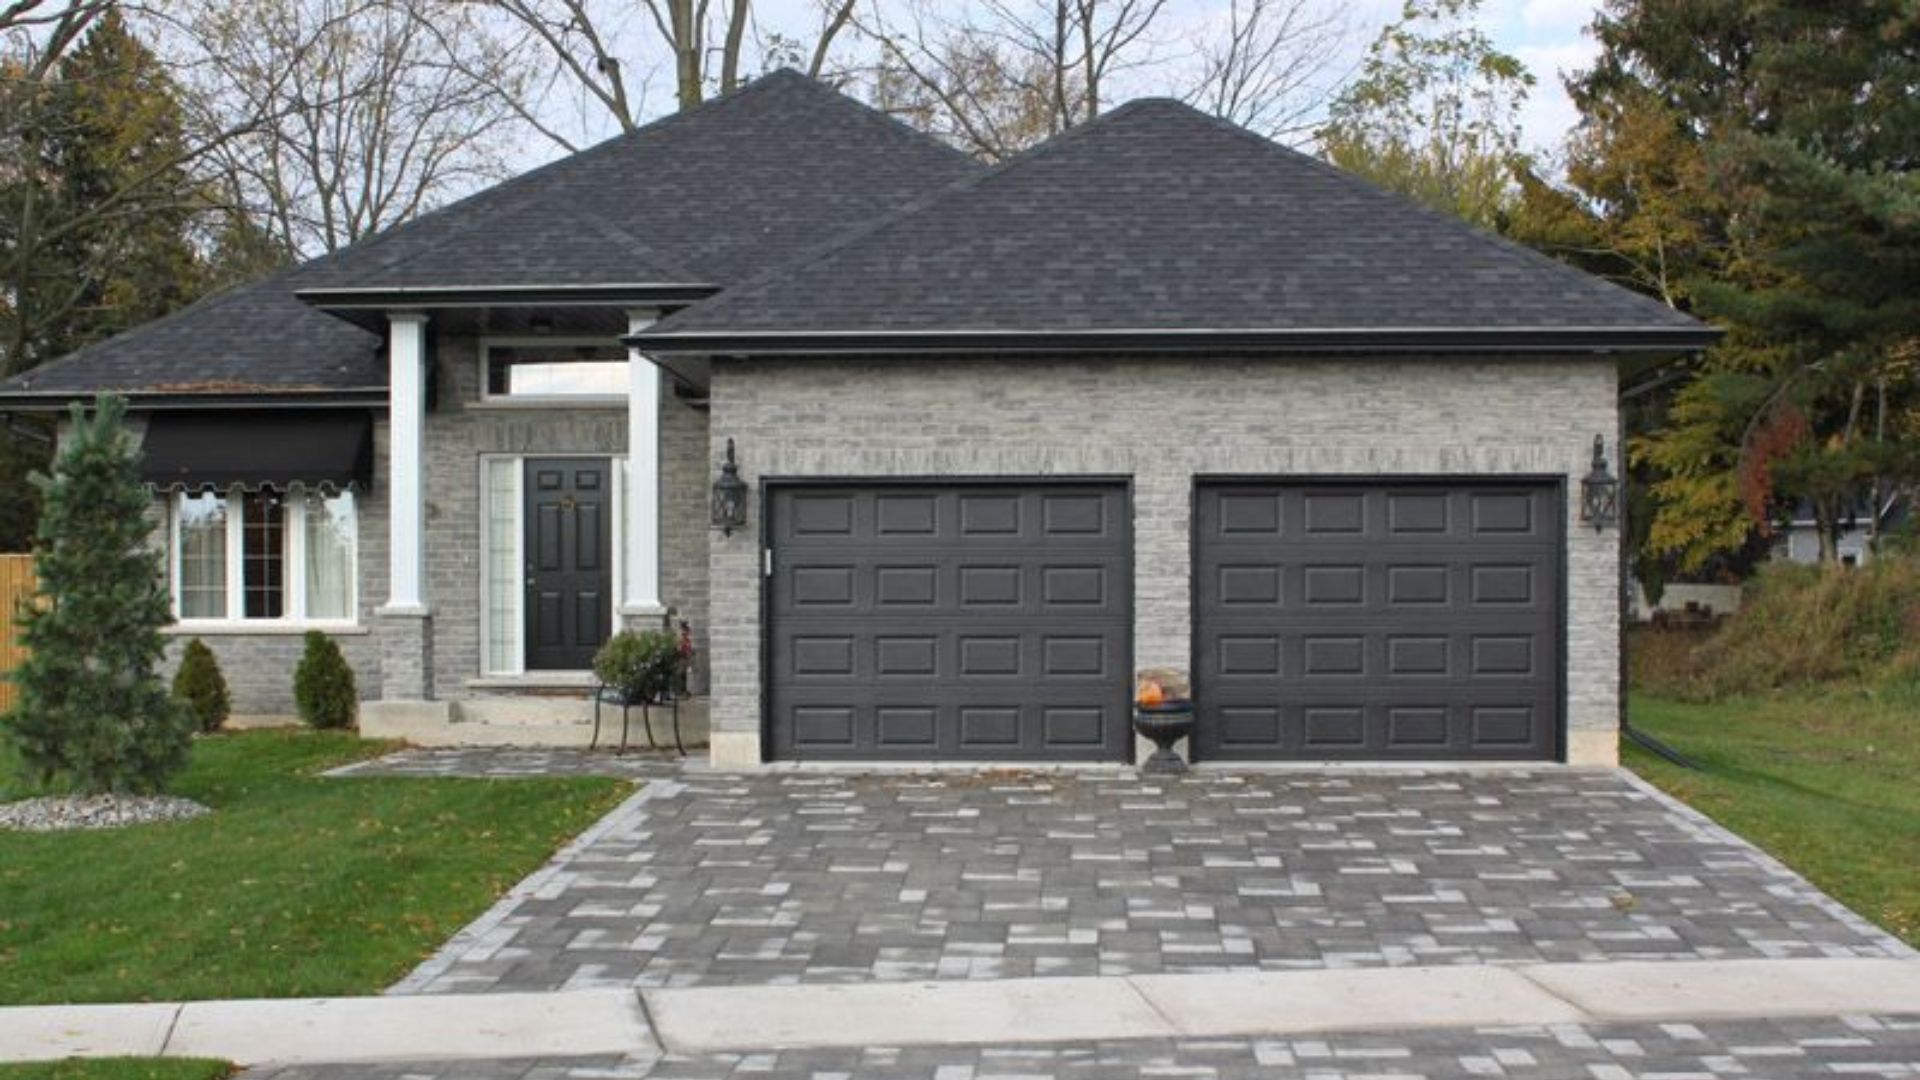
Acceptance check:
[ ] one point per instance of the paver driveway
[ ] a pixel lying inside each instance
(711, 878)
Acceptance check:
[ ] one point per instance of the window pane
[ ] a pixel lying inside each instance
(331, 536)
(503, 580)
(263, 555)
(202, 556)
(556, 371)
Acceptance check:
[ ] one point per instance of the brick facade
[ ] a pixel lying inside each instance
(1161, 423)
(439, 657)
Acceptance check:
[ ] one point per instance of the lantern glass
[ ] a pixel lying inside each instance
(729, 496)
(1599, 491)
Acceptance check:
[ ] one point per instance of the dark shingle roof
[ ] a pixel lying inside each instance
(255, 339)
(1158, 223)
(711, 195)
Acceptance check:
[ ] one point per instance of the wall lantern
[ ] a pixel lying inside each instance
(1599, 491)
(729, 496)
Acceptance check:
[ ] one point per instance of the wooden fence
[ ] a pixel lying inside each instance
(16, 587)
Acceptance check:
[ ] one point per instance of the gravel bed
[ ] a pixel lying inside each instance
(66, 812)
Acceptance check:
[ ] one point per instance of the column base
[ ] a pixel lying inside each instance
(1593, 748)
(406, 655)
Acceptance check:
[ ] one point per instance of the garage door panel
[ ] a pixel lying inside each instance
(1415, 620)
(950, 621)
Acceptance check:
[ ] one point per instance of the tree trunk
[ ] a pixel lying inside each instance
(686, 52)
(1826, 518)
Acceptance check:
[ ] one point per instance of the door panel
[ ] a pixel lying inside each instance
(569, 573)
(1377, 621)
(970, 621)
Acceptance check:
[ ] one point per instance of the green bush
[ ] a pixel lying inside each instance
(1803, 626)
(93, 714)
(323, 687)
(200, 684)
(642, 664)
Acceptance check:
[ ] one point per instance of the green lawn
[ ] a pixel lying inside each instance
(296, 886)
(1828, 783)
(119, 1069)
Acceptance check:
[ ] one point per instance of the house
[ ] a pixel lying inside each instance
(1796, 538)
(1159, 393)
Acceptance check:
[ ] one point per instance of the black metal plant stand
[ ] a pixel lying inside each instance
(1164, 725)
(608, 695)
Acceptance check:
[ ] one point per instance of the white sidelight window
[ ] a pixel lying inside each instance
(254, 557)
(503, 574)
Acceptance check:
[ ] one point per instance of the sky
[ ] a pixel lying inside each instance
(1547, 35)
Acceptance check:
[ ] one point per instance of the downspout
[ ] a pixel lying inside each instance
(1640, 738)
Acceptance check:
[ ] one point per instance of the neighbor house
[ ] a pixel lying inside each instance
(1159, 393)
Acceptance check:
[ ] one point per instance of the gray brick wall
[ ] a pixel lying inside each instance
(1162, 422)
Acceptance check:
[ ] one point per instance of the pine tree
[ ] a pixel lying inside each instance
(92, 713)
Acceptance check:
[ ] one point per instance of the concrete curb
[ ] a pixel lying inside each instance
(736, 1019)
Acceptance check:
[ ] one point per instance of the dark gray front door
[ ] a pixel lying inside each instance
(569, 550)
(957, 621)
(1377, 621)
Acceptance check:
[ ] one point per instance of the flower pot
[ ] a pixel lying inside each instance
(1164, 725)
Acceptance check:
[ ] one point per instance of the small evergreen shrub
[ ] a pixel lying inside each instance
(323, 688)
(642, 664)
(93, 714)
(202, 687)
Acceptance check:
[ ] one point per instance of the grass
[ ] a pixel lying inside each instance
(296, 886)
(1824, 780)
(119, 1069)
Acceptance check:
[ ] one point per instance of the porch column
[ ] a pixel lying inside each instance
(406, 415)
(642, 576)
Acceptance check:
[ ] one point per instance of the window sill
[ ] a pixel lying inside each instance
(259, 628)
(539, 680)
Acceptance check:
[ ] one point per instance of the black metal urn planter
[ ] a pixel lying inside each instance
(1162, 714)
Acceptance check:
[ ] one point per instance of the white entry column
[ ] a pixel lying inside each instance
(642, 577)
(406, 418)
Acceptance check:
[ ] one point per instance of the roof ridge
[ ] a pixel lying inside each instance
(1483, 236)
(514, 184)
(848, 237)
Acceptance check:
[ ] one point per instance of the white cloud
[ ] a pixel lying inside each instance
(1549, 114)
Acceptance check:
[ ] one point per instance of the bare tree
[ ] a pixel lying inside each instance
(1274, 65)
(374, 120)
(1026, 70)
(595, 54)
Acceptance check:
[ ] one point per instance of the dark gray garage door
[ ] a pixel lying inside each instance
(1379, 621)
(926, 622)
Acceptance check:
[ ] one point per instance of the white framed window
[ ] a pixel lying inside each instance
(549, 370)
(263, 557)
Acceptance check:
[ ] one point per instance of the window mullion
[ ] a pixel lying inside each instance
(295, 551)
(236, 556)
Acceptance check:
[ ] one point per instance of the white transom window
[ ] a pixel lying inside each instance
(263, 556)
(549, 370)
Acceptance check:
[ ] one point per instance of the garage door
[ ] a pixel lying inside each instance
(978, 622)
(1379, 621)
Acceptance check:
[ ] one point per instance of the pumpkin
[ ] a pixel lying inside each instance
(1152, 693)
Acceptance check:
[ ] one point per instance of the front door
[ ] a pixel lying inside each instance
(569, 546)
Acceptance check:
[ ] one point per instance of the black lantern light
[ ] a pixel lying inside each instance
(729, 496)
(1599, 491)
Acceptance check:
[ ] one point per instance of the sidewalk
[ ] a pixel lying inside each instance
(955, 1013)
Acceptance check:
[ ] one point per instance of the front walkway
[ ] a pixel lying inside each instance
(709, 879)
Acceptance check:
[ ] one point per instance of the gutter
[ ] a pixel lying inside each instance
(1602, 340)
(149, 400)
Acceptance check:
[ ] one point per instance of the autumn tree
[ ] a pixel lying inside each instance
(1754, 163)
(1434, 113)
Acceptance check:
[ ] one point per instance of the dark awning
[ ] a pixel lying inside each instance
(323, 449)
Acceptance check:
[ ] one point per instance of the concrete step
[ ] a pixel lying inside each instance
(548, 719)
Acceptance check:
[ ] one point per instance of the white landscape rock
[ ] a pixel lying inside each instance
(60, 813)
